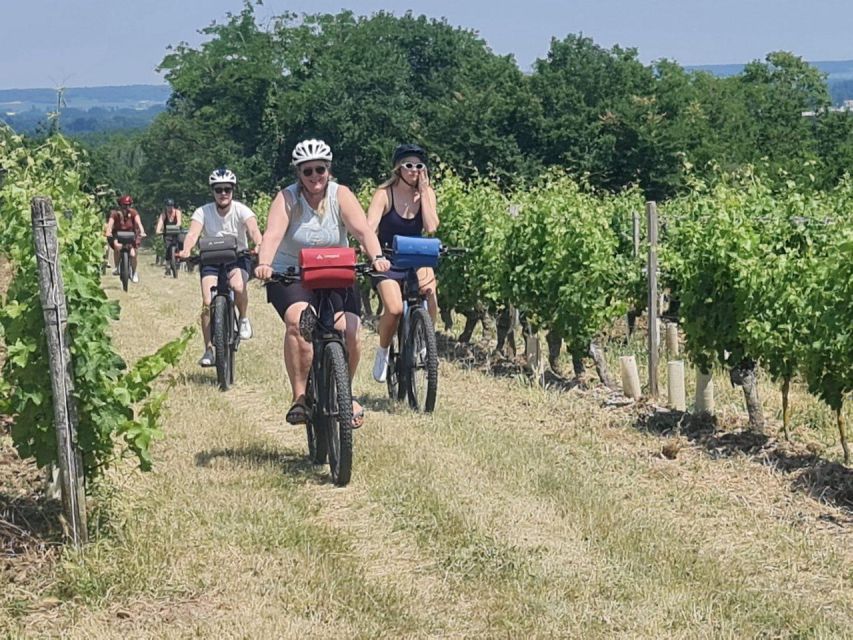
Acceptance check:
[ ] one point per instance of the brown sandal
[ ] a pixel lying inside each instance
(298, 412)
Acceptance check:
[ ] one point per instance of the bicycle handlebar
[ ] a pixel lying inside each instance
(196, 259)
(294, 275)
(443, 251)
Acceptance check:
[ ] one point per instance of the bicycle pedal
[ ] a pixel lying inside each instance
(307, 322)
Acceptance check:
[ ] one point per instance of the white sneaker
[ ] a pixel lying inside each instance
(245, 329)
(134, 277)
(207, 359)
(380, 364)
(115, 271)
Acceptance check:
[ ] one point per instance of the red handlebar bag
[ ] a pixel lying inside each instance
(327, 267)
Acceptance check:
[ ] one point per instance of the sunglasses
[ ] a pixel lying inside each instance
(309, 171)
(221, 190)
(413, 165)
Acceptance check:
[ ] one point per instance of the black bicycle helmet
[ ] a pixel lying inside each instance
(169, 203)
(406, 150)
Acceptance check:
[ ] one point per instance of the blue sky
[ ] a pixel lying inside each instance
(95, 42)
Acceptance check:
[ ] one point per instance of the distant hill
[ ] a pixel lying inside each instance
(85, 109)
(839, 75)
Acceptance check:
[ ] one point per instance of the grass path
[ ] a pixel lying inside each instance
(511, 512)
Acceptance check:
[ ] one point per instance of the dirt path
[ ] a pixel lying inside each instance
(511, 512)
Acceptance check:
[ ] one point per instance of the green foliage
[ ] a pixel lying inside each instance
(476, 216)
(565, 268)
(104, 391)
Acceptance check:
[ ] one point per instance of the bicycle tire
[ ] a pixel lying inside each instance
(173, 262)
(221, 343)
(124, 269)
(336, 412)
(422, 369)
(233, 343)
(396, 385)
(317, 446)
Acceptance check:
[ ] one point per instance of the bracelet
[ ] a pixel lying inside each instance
(264, 264)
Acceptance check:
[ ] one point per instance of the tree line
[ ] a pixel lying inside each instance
(251, 91)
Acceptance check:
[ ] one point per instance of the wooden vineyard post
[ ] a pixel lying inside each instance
(635, 232)
(652, 269)
(52, 294)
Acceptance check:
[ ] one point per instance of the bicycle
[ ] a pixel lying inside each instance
(413, 354)
(126, 239)
(172, 241)
(328, 393)
(224, 319)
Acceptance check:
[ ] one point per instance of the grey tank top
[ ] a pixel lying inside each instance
(308, 229)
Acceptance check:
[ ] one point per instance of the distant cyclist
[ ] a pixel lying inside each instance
(170, 215)
(126, 218)
(403, 205)
(218, 219)
(314, 211)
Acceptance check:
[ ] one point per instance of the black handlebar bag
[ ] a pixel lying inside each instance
(216, 251)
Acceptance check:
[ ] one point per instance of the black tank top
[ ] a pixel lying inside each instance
(393, 224)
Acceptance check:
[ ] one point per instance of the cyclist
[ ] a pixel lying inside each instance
(125, 219)
(218, 219)
(313, 212)
(402, 205)
(170, 215)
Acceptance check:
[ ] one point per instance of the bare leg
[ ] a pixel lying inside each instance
(392, 310)
(297, 352)
(207, 283)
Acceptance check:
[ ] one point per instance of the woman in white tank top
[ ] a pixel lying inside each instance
(313, 212)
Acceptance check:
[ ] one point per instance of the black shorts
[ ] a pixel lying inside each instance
(243, 262)
(281, 296)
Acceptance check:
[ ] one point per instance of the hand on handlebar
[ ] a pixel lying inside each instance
(263, 272)
(381, 264)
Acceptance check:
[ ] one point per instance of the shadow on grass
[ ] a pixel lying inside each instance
(826, 481)
(296, 465)
(29, 524)
(199, 377)
(482, 357)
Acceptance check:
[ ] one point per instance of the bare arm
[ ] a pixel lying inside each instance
(159, 229)
(356, 223)
(378, 208)
(109, 229)
(178, 216)
(192, 237)
(254, 231)
(277, 221)
(139, 226)
(429, 212)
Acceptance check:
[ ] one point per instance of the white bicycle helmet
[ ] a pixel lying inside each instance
(222, 176)
(311, 150)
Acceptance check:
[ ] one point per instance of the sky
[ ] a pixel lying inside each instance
(110, 42)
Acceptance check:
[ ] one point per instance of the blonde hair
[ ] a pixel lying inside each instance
(393, 180)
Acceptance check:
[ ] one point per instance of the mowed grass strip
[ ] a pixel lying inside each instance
(509, 513)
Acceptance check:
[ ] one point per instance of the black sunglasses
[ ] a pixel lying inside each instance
(221, 190)
(309, 171)
(413, 165)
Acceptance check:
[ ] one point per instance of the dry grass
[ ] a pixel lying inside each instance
(511, 512)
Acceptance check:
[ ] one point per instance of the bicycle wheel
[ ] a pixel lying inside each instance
(124, 269)
(233, 343)
(173, 262)
(221, 341)
(335, 412)
(394, 378)
(422, 372)
(317, 445)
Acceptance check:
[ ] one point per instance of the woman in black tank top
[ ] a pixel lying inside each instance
(403, 205)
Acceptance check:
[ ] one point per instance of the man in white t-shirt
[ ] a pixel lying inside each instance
(218, 219)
